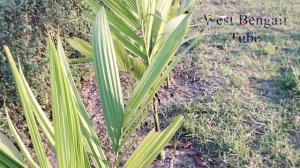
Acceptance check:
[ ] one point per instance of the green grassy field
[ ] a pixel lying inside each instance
(245, 109)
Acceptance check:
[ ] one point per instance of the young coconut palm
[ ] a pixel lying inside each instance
(139, 29)
(71, 134)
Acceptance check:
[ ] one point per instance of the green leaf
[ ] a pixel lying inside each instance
(28, 112)
(69, 146)
(127, 63)
(128, 45)
(120, 25)
(146, 11)
(82, 46)
(107, 77)
(88, 15)
(131, 4)
(93, 4)
(120, 28)
(119, 9)
(9, 155)
(91, 140)
(21, 145)
(152, 145)
(40, 115)
(163, 9)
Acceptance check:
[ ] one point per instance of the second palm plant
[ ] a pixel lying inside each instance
(139, 30)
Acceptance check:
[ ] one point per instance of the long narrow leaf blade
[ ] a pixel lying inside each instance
(152, 145)
(28, 112)
(67, 130)
(123, 12)
(20, 143)
(82, 46)
(9, 154)
(127, 63)
(40, 115)
(91, 140)
(119, 9)
(107, 76)
(119, 24)
(131, 4)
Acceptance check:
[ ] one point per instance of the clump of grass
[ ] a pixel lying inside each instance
(290, 79)
(270, 49)
(296, 76)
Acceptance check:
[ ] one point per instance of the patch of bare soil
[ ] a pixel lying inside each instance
(91, 100)
(184, 155)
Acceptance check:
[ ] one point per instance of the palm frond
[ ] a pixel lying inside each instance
(107, 77)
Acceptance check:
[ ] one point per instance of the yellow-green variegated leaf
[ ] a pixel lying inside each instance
(40, 115)
(146, 11)
(173, 24)
(28, 112)
(129, 64)
(20, 143)
(152, 145)
(131, 4)
(162, 12)
(9, 154)
(91, 140)
(175, 8)
(123, 59)
(169, 28)
(69, 146)
(82, 46)
(107, 77)
(138, 68)
(164, 8)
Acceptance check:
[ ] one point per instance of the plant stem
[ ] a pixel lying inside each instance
(157, 124)
(168, 82)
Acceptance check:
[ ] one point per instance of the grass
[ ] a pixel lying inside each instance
(248, 112)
